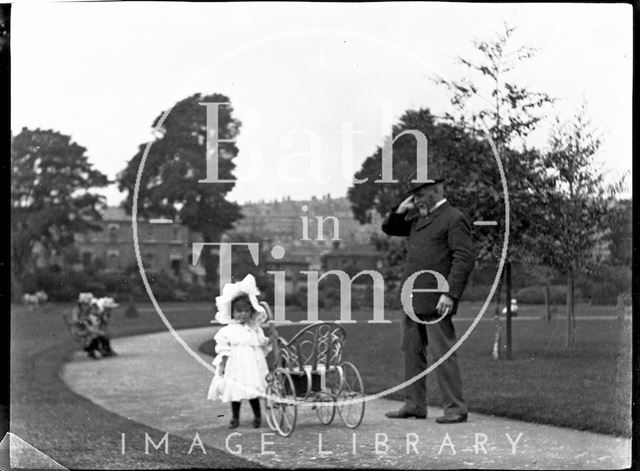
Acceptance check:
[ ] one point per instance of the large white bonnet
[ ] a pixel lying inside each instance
(104, 303)
(231, 291)
(85, 298)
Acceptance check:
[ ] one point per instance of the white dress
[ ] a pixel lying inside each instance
(246, 368)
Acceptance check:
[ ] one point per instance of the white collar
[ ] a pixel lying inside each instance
(438, 204)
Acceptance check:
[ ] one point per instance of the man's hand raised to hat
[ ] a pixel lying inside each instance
(406, 205)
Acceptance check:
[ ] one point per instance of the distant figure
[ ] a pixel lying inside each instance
(131, 310)
(29, 300)
(42, 297)
(514, 308)
(102, 308)
(91, 315)
(80, 319)
(36, 299)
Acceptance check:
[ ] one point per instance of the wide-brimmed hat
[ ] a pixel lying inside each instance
(232, 291)
(85, 298)
(105, 303)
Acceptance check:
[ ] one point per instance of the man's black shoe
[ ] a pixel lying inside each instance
(403, 414)
(452, 419)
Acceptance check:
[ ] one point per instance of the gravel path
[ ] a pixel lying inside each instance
(155, 382)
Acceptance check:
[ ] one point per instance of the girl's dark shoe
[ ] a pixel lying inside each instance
(256, 422)
(234, 423)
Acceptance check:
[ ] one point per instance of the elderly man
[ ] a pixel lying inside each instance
(439, 239)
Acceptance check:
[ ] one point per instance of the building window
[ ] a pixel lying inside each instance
(113, 233)
(112, 258)
(175, 267)
(87, 257)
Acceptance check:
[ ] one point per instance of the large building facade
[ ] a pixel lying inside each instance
(319, 234)
(318, 222)
(316, 234)
(164, 246)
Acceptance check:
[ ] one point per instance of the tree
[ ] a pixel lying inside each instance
(472, 182)
(169, 184)
(578, 205)
(512, 111)
(486, 100)
(619, 234)
(50, 198)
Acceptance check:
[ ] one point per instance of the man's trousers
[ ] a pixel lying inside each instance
(438, 339)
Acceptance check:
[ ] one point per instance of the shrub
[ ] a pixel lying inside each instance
(625, 299)
(93, 286)
(617, 278)
(624, 304)
(115, 283)
(535, 294)
(30, 283)
(476, 293)
(200, 293)
(57, 284)
(485, 272)
(163, 287)
(392, 299)
(299, 299)
(604, 293)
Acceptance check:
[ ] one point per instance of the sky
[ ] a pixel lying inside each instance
(316, 86)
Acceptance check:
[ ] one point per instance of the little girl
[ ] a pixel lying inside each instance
(241, 346)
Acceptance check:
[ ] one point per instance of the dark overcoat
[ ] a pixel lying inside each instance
(441, 242)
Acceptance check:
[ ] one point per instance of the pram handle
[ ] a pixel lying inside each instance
(273, 332)
(270, 318)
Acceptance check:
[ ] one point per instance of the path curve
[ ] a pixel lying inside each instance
(154, 381)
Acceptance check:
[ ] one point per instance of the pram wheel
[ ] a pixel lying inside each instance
(352, 389)
(327, 409)
(281, 416)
